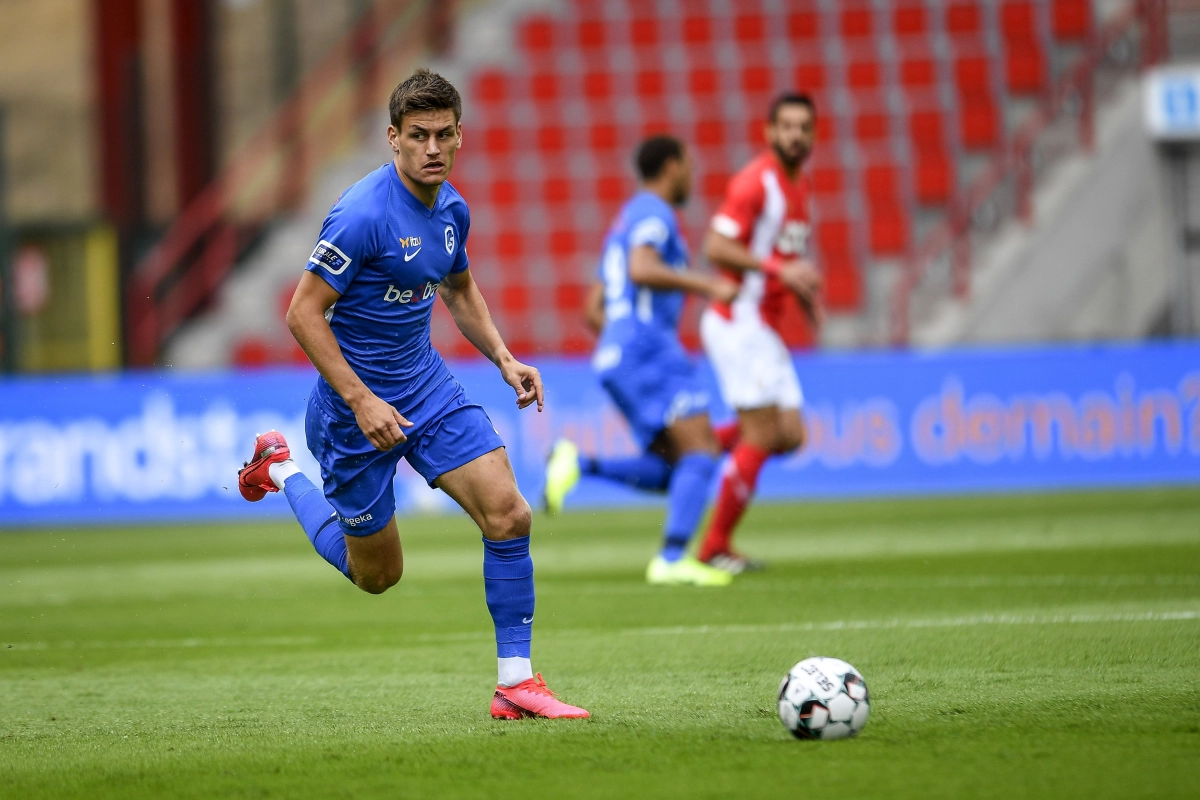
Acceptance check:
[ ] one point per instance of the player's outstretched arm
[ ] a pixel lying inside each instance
(461, 296)
(646, 268)
(593, 308)
(380, 422)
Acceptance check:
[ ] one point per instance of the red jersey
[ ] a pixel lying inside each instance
(768, 213)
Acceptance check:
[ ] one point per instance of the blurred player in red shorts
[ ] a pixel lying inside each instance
(759, 238)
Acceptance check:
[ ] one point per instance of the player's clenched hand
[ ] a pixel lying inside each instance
(806, 282)
(723, 291)
(526, 380)
(802, 277)
(381, 423)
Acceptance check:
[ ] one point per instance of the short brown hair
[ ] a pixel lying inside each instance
(423, 91)
(792, 99)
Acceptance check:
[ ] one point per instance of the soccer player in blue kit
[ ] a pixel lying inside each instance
(641, 363)
(391, 244)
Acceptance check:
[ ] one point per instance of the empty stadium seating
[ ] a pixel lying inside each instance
(907, 91)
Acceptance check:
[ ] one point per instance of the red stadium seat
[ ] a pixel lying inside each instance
(918, 72)
(1024, 67)
(804, 26)
(862, 75)
(749, 29)
(872, 126)
(497, 141)
(713, 186)
(857, 21)
(753, 130)
(591, 34)
(927, 130)
(964, 18)
(514, 298)
(810, 77)
(536, 35)
(910, 19)
(597, 86)
(880, 183)
(1071, 20)
(644, 32)
(843, 283)
(569, 296)
(704, 81)
(697, 31)
(612, 188)
(889, 230)
(491, 87)
(603, 136)
(551, 139)
(972, 76)
(934, 177)
(562, 243)
(1018, 20)
(826, 128)
(977, 120)
(709, 133)
(827, 180)
(833, 239)
(650, 83)
(757, 80)
(556, 191)
(509, 246)
(251, 353)
(543, 87)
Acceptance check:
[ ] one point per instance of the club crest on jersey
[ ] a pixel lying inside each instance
(328, 256)
(450, 239)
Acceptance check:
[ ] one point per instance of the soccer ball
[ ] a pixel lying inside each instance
(823, 698)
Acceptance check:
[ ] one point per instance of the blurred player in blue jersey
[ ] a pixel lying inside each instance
(635, 305)
(392, 242)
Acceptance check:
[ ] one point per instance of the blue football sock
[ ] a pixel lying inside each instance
(646, 471)
(318, 519)
(508, 586)
(686, 499)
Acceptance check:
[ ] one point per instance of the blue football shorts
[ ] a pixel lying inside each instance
(653, 387)
(448, 431)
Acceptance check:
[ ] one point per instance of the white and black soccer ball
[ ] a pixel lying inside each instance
(824, 698)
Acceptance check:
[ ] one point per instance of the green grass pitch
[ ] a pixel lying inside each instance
(1034, 646)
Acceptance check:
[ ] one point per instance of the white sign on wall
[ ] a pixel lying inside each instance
(1173, 103)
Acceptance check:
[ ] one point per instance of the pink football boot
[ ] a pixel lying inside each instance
(532, 698)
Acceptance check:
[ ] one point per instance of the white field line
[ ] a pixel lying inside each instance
(946, 622)
(154, 644)
(679, 630)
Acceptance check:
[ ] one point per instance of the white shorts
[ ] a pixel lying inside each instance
(753, 366)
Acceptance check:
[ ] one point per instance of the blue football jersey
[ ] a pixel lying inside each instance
(386, 253)
(646, 219)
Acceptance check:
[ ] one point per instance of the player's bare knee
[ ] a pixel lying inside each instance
(379, 581)
(789, 442)
(514, 521)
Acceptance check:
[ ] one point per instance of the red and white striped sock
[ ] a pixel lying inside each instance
(737, 488)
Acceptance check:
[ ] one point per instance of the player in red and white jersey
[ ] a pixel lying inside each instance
(759, 238)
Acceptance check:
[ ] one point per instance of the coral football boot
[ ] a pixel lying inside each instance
(254, 478)
(532, 698)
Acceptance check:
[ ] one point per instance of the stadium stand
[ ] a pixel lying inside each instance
(914, 95)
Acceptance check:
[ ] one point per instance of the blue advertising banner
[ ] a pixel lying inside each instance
(146, 446)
